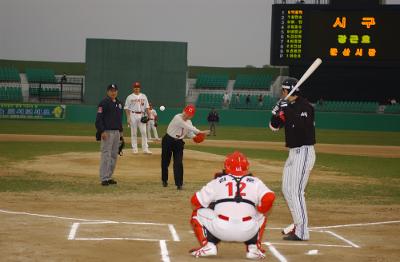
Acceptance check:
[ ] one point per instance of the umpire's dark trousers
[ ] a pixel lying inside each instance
(171, 146)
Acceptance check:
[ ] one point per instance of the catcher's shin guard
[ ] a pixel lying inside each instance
(260, 235)
(198, 229)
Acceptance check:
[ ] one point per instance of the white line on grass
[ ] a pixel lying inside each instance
(73, 230)
(275, 252)
(174, 234)
(164, 251)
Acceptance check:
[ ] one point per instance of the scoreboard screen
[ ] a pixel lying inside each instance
(301, 33)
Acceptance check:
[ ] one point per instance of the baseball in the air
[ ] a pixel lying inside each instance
(162, 108)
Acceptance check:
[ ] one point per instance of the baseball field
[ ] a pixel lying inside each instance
(54, 209)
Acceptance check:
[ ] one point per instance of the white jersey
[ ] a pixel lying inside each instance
(136, 103)
(153, 114)
(179, 128)
(225, 187)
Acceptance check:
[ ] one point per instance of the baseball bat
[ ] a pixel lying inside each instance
(309, 71)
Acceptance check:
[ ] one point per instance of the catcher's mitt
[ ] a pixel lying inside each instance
(121, 145)
(144, 119)
(199, 138)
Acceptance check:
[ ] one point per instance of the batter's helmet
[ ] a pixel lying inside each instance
(189, 110)
(236, 164)
(136, 84)
(289, 84)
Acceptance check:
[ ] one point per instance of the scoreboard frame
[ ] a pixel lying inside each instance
(339, 36)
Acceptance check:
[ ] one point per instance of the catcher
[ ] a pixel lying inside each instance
(232, 207)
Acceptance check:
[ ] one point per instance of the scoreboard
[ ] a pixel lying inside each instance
(301, 33)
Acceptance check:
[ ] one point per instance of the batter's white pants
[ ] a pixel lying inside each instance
(235, 229)
(295, 177)
(151, 127)
(135, 123)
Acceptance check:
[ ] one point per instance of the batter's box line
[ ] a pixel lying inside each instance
(75, 226)
(349, 243)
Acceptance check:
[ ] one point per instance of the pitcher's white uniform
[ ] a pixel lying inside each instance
(137, 105)
(232, 221)
(150, 125)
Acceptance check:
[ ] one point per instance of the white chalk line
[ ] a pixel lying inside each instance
(307, 244)
(174, 234)
(164, 251)
(115, 238)
(72, 232)
(358, 225)
(275, 252)
(342, 238)
(75, 226)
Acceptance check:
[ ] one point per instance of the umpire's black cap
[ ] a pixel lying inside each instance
(112, 87)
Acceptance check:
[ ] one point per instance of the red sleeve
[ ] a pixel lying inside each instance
(195, 202)
(266, 202)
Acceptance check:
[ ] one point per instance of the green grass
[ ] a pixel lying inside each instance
(46, 127)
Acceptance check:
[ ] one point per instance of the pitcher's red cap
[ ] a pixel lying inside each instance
(189, 110)
(136, 84)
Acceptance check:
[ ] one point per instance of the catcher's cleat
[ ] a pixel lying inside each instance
(210, 249)
(253, 252)
(292, 237)
(112, 182)
(104, 183)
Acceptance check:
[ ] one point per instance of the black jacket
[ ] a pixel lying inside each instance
(213, 117)
(109, 116)
(299, 123)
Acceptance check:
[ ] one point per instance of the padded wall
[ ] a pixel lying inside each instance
(161, 67)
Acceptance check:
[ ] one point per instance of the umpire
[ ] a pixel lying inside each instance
(109, 131)
(172, 143)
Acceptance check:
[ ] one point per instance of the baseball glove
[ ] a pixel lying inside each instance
(155, 124)
(144, 119)
(121, 145)
(199, 138)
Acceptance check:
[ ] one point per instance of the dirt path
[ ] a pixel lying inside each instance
(357, 150)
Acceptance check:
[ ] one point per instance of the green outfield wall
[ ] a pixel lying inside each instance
(160, 67)
(324, 120)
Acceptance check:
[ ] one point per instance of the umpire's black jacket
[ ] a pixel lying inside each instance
(109, 116)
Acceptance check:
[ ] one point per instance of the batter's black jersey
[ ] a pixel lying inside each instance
(299, 123)
(109, 115)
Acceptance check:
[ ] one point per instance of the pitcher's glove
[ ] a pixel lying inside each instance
(144, 119)
(121, 145)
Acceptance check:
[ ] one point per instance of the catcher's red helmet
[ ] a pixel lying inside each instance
(136, 84)
(199, 138)
(236, 164)
(189, 110)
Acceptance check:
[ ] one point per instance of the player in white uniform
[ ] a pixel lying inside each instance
(136, 105)
(232, 207)
(152, 123)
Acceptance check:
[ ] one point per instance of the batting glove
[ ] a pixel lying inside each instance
(280, 105)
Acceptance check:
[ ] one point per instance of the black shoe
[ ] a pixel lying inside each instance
(164, 184)
(179, 187)
(292, 237)
(104, 183)
(112, 182)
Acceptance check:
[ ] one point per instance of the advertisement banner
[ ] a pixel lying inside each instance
(32, 111)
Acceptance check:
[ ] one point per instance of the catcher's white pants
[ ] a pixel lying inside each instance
(151, 127)
(233, 229)
(295, 177)
(135, 124)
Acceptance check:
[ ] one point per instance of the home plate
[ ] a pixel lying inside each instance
(312, 252)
